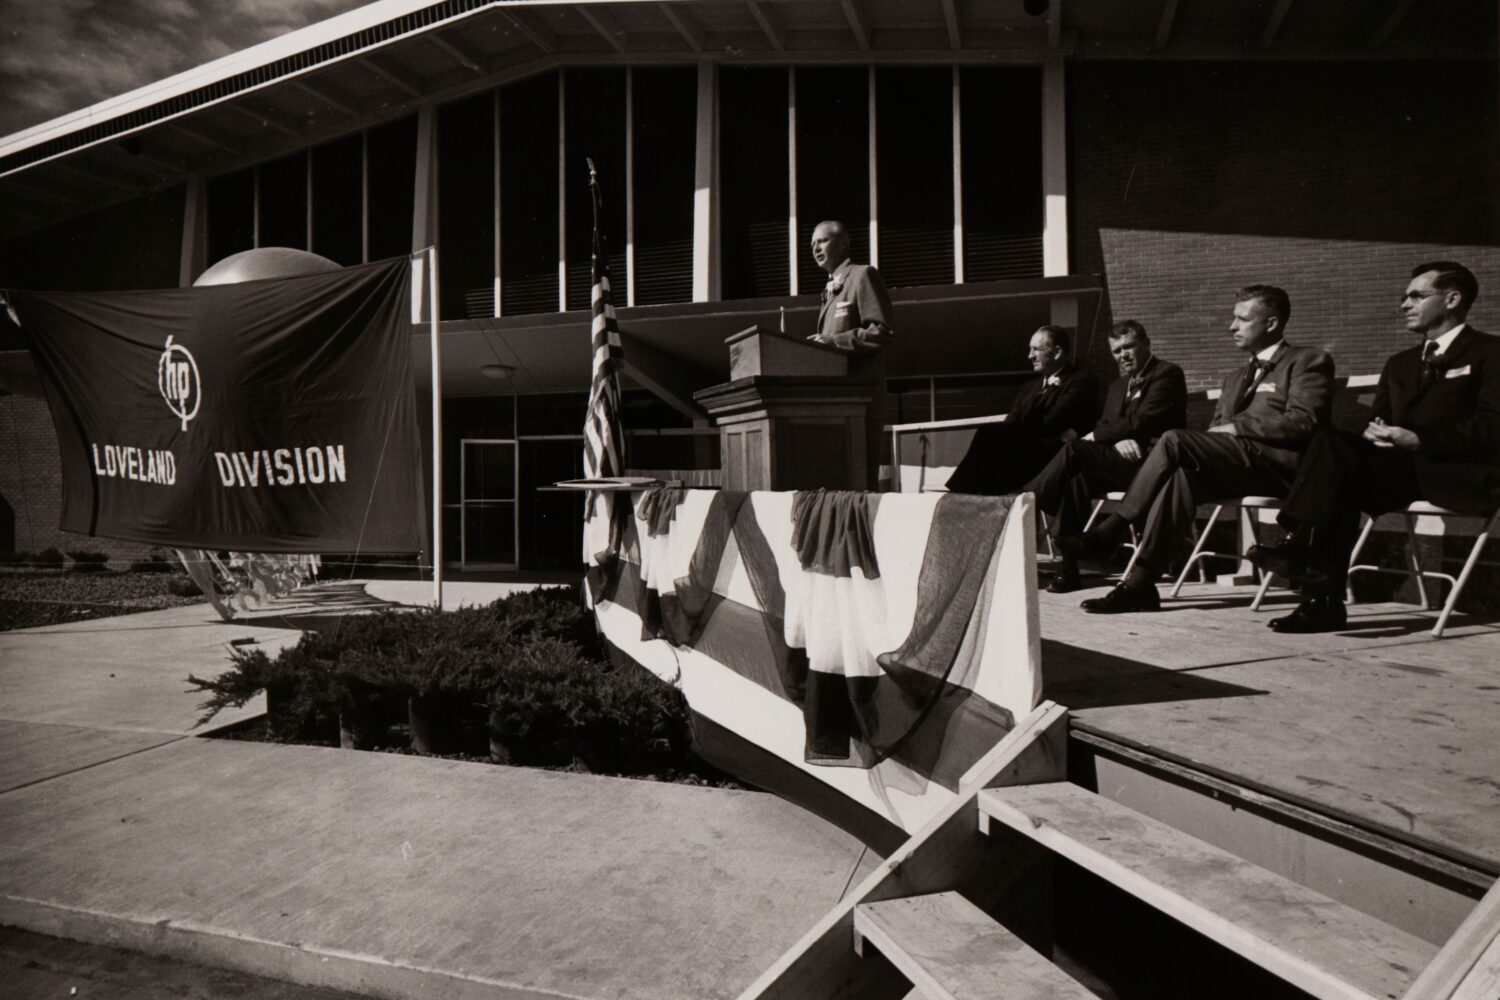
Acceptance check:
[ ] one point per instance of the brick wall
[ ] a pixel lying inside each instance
(1331, 180)
(31, 483)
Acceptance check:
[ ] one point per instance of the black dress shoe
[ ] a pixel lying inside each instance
(1123, 599)
(1064, 582)
(1294, 561)
(1316, 614)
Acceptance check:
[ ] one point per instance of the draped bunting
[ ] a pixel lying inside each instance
(899, 630)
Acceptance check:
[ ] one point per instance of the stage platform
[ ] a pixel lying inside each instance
(1377, 733)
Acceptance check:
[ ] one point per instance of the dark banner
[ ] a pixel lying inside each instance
(264, 416)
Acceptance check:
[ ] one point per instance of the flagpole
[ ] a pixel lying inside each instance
(437, 432)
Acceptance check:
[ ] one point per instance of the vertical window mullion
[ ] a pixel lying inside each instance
(364, 196)
(629, 186)
(874, 204)
(958, 182)
(562, 187)
(307, 230)
(497, 309)
(794, 248)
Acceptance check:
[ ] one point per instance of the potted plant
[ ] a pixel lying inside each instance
(296, 687)
(546, 706)
(648, 726)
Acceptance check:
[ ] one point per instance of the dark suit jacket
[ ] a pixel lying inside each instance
(1457, 418)
(1159, 406)
(1072, 405)
(858, 315)
(1290, 403)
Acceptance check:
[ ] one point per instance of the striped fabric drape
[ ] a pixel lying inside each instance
(883, 634)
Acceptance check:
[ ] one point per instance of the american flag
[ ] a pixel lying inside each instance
(603, 443)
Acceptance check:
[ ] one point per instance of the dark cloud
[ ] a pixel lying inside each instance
(58, 56)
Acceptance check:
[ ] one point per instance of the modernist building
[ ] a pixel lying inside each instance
(1005, 163)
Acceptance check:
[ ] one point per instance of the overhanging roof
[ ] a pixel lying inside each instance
(674, 350)
(677, 349)
(381, 60)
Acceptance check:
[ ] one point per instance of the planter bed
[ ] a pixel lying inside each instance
(258, 730)
(31, 597)
(520, 681)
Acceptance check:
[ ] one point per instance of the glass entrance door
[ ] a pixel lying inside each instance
(488, 503)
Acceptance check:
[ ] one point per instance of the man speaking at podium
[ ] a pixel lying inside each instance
(856, 318)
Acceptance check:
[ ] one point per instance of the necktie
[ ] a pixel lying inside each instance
(1432, 363)
(1254, 372)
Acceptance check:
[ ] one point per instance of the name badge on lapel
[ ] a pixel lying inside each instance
(1458, 372)
(1266, 387)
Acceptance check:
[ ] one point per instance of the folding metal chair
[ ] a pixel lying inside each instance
(1419, 509)
(1115, 496)
(1200, 553)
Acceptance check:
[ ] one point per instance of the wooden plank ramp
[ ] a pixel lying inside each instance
(1317, 944)
(947, 853)
(1468, 967)
(952, 950)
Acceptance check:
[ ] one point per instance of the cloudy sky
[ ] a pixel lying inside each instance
(58, 56)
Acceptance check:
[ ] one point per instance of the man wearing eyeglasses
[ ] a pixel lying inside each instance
(1434, 435)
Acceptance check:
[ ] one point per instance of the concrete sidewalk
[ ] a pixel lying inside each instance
(383, 874)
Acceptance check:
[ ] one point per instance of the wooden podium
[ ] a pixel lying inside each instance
(790, 417)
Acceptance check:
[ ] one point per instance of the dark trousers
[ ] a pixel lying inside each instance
(1078, 472)
(1002, 459)
(1185, 469)
(1342, 475)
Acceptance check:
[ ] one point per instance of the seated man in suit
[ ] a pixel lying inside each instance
(1434, 436)
(856, 318)
(1059, 406)
(1266, 416)
(1147, 400)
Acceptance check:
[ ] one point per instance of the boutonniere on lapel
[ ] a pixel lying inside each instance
(1051, 380)
(834, 287)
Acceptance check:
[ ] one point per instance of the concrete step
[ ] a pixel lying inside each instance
(951, 950)
(1319, 945)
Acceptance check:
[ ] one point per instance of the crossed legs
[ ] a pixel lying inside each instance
(1183, 470)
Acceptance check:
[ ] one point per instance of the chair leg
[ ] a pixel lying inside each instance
(922, 466)
(1197, 550)
(1414, 556)
(1260, 593)
(1051, 549)
(1463, 578)
(1359, 546)
(1094, 514)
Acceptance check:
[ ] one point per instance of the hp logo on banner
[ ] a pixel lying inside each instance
(177, 379)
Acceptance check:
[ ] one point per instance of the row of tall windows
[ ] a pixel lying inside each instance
(350, 200)
(795, 146)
